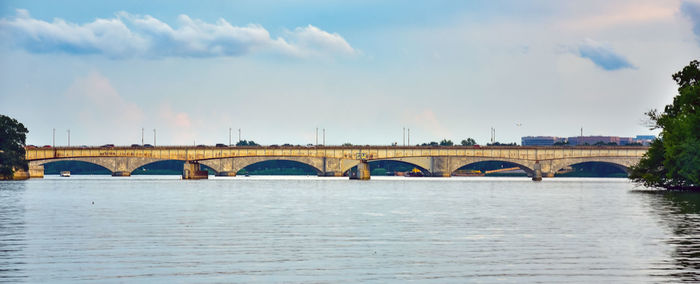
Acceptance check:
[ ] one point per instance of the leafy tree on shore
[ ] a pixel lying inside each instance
(468, 142)
(246, 143)
(673, 160)
(446, 142)
(13, 135)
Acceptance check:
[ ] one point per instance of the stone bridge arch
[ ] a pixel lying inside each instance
(459, 162)
(423, 163)
(119, 166)
(623, 162)
(323, 166)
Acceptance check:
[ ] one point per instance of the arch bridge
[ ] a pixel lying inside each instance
(336, 160)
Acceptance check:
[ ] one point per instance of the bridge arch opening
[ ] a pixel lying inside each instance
(391, 168)
(75, 167)
(593, 169)
(280, 167)
(493, 167)
(165, 167)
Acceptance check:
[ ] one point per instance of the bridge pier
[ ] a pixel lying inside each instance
(36, 171)
(363, 172)
(192, 170)
(440, 167)
(537, 175)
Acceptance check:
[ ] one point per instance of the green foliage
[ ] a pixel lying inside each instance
(446, 142)
(561, 143)
(13, 135)
(468, 142)
(673, 160)
(246, 143)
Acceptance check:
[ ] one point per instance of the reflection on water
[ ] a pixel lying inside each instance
(310, 229)
(12, 236)
(680, 213)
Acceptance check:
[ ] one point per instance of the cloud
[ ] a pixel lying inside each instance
(310, 40)
(127, 35)
(98, 105)
(602, 55)
(692, 11)
(621, 14)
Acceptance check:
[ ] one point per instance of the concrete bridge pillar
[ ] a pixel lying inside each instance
(36, 171)
(121, 167)
(363, 172)
(192, 170)
(537, 175)
(440, 167)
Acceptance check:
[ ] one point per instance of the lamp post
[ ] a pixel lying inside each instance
(53, 138)
(154, 137)
(409, 136)
(229, 136)
(68, 137)
(141, 136)
(324, 137)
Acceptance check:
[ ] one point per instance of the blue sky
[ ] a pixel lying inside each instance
(362, 70)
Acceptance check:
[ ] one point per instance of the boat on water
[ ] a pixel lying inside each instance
(469, 173)
(65, 173)
(415, 172)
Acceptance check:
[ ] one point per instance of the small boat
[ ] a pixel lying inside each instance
(415, 172)
(65, 173)
(469, 173)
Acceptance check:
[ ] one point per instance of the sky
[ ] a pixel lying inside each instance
(361, 70)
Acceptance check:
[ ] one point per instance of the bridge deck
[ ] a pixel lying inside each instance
(342, 152)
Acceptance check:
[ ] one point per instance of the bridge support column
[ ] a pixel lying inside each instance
(537, 175)
(363, 172)
(121, 167)
(36, 171)
(191, 170)
(440, 167)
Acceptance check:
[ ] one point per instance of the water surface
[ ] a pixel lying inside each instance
(309, 229)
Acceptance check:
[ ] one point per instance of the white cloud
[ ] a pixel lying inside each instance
(128, 35)
(310, 40)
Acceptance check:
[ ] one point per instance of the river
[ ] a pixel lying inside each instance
(334, 230)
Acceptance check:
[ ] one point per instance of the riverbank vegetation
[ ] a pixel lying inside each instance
(13, 136)
(673, 160)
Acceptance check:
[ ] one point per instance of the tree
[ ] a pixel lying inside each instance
(246, 143)
(468, 142)
(446, 142)
(673, 160)
(13, 135)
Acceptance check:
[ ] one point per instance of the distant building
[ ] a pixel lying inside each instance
(645, 139)
(627, 140)
(541, 140)
(592, 140)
